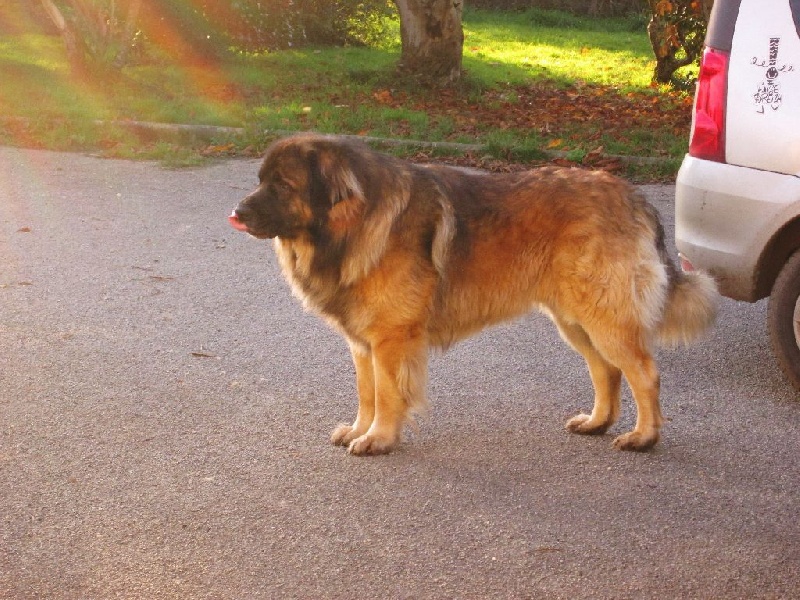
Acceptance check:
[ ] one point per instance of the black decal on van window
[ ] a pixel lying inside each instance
(769, 90)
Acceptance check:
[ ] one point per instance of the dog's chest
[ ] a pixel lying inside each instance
(318, 291)
(296, 259)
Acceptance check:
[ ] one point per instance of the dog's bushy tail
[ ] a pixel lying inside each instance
(690, 309)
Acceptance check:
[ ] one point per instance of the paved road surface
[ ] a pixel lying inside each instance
(165, 407)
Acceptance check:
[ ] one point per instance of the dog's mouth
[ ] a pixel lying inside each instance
(236, 222)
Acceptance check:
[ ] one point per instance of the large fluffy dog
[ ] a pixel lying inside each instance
(400, 258)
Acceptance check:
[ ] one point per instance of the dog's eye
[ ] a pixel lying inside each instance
(281, 185)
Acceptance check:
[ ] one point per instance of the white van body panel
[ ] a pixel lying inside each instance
(763, 99)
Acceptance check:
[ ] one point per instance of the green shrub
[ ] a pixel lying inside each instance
(272, 24)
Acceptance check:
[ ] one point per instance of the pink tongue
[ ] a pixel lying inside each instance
(236, 223)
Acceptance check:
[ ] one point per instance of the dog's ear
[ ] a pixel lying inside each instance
(331, 178)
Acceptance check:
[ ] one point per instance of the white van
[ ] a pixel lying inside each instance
(738, 189)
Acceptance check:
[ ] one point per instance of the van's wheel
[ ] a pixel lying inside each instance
(783, 319)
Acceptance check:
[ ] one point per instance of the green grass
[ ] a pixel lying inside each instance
(517, 46)
(342, 90)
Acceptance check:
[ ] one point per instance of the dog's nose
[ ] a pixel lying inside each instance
(243, 212)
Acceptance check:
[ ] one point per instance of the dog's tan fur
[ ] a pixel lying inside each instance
(401, 258)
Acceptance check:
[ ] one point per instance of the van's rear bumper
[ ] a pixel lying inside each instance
(724, 218)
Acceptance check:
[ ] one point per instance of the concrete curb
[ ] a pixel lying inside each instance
(210, 131)
(152, 130)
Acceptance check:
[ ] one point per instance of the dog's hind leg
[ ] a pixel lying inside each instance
(606, 380)
(630, 353)
(365, 384)
(400, 370)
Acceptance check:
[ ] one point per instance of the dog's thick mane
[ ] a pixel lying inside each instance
(367, 193)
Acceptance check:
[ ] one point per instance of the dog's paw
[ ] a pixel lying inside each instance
(343, 435)
(584, 425)
(371, 444)
(636, 441)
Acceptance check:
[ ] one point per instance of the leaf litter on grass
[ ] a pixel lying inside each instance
(558, 114)
(583, 124)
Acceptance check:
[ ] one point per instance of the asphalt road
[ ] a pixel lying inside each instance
(165, 407)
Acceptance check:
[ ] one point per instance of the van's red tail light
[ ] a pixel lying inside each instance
(708, 133)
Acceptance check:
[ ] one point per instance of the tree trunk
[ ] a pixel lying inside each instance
(432, 40)
(128, 31)
(676, 30)
(664, 50)
(707, 5)
(134, 6)
(72, 43)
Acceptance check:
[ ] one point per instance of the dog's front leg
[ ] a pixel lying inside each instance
(399, 369)
(365, 385)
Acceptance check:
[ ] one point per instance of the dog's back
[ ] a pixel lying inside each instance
(585, 246)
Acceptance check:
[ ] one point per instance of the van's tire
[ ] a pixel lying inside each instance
(783, 319)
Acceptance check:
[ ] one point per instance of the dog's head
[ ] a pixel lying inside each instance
(302, 180)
